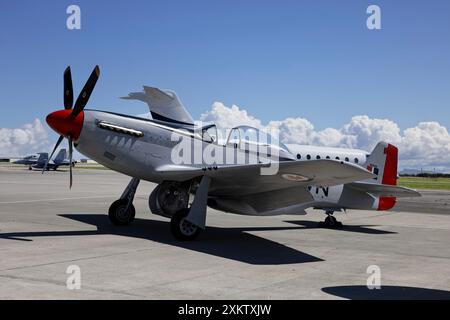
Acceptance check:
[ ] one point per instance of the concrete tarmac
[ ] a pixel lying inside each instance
(45, 228)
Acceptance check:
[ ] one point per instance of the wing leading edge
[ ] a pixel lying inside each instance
(247, 179)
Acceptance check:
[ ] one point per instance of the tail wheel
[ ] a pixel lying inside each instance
(182, 229)
(120, 214)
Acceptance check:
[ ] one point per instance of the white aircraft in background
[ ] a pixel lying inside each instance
(326, 178)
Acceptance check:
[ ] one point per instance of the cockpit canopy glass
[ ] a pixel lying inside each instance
(243, 136)
(207, 133)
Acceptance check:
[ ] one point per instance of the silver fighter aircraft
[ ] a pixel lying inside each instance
(194, 170)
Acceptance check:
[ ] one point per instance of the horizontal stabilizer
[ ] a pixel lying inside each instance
(384, 190)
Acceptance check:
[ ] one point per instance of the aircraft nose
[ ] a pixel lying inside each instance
(64, 123)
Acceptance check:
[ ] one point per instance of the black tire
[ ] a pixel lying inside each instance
(118, 215)
(181, 229)
(331, 222)
(153, 204)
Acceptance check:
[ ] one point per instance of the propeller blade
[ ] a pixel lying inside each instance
(70, 160)
(51, 155)
(84, 95)
(68, 89)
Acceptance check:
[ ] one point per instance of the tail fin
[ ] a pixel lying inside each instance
(43, 156)
(383, 163)
(62, 154)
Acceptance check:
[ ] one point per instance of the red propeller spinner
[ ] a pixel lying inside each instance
(64, 123)
(69, 122)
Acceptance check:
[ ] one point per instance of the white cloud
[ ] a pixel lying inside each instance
(30, 138)
(226, 118)
(428, 140)
(426, 145)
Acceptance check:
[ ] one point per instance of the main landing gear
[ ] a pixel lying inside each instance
(330, 221)
(187, 223)
(122, 211)
(169, 199)
(182, 229)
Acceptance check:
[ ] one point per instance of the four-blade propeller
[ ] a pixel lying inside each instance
(68, 122)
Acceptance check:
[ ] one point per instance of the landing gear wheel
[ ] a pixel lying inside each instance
(182, 229)
(330, 222)
(168, 198)
(119, 214)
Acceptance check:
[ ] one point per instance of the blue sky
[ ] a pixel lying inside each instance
(277, 59)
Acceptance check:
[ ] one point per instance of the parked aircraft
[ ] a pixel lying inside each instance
(60, 160)
(41, 160)
(268, 180)
(30, 160)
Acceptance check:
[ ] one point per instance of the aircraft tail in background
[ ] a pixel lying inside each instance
(383, 163)
(43, 156)
(61, 156)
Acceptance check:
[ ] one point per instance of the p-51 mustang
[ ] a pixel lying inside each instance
(241, 179)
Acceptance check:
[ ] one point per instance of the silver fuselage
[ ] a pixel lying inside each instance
(145, 156)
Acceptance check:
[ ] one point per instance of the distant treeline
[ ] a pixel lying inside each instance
(426, 175)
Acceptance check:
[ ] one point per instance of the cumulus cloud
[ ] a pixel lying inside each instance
(429, 143)
(426, 145)
(226, 118)
(30, 138)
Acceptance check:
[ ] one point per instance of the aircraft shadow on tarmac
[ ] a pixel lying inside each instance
(230, 243)
(387, 293)
(349, 228)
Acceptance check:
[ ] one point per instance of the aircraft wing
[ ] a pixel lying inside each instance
(384, 190)
(164, 105)
(247, 179)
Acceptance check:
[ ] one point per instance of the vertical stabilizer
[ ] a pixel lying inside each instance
(62, 154)
(43, 156)
(383, 163)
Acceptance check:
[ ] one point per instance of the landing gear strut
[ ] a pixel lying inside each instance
(330, 221)
(182, 229)
(187, 223)
(122, 211)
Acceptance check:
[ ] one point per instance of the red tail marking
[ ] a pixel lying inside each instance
(389, 176)
(386, 203)
(390, 166)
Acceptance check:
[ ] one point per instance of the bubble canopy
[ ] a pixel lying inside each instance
(244, 136)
